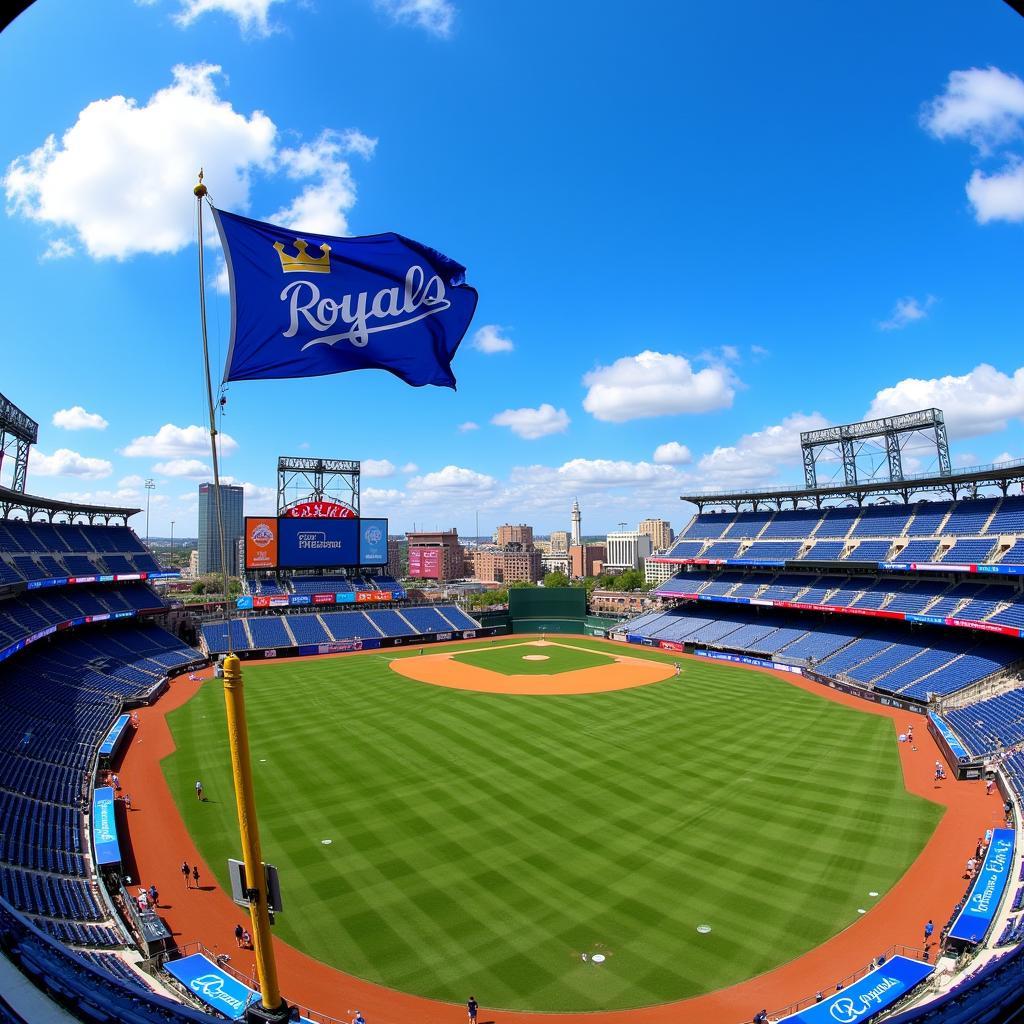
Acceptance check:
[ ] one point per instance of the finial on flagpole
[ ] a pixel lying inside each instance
(200, 190)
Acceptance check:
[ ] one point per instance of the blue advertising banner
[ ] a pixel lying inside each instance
(346, 597)
(110, 744)
(317, 543)
(373, 542)
(956, 748)
(975, 919)
(216, 988)
(213, 986)
(104, 828)
(244, 603)
(304, 306)
(300, 599)
(867, 998)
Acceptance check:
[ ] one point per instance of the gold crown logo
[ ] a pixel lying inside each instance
(304, 262)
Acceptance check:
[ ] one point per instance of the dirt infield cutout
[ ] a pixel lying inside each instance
(442, 670)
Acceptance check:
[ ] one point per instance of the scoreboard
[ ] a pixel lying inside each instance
(286, 542)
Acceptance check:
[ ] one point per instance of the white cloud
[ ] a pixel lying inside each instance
(65, 462)
(58, 249)
(907, 311)
(757, 457)
(322, 206)
(220, 280)
(381, 494)
(979, 402)
(76, 418)
(159, 145)
(433, 16)
(672, 453)
(655, 384)
(532, 424)
(410, 467)
(259, 500)
(465, 428)
(171, 442)
(377, 467)
(1005, 457)
(489, 340)
(604, 472)
(252, 15)
(131, 482)
(985, 106)
(191, 469)
(998, 196)
(451, 478)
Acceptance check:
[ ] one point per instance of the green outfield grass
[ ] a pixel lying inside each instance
(511, 660)
(480, 843)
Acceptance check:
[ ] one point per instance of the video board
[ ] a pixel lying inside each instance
(425, 563)
(290, 543)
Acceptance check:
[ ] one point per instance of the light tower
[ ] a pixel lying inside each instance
(577, 537)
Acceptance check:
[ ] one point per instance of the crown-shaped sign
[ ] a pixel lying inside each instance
(304, 263)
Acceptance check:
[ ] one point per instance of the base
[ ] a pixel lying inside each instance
(257, 1013)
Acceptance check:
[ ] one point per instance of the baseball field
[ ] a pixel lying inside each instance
(692, 832)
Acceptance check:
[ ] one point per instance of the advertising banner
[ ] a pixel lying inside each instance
(278, 601)
(671, 645)
(299, 599)
(373, 542)
(346, 597)
(320, 510)
(216, 988)
(260, 542)
(956, 748)
(323, 599)
(866, 999)
(975, 919)
(425, 563)
(104, 830)
(113, 740)
(244, 603)
(261, 601)
(317, 543)
(365, 596)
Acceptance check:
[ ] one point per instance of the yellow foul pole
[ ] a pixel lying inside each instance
(238, 738)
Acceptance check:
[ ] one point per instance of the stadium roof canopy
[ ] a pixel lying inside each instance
(53, 510)
(972, 482)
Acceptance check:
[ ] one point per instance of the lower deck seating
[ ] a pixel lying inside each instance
(57, 702)
(267, 631)
(988, 724)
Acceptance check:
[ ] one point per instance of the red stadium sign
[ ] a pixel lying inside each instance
(323, 599)
(320, 510)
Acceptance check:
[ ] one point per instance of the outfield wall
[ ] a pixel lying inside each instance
(548, 610)
(374, 644)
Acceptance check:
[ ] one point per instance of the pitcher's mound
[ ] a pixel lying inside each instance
(535, 657)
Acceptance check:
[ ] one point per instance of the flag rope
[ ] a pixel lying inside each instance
(201, 192)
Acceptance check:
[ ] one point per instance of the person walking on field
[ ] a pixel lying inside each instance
(239, 932)
(471, 1009)
(928, 929)
(186, 871)
(989, 784)
(195, 874)
(199, 790)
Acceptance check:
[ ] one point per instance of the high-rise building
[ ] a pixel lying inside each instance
(577, 537)
(232, 506)
(660, 532)
(658, 572)
(626, 550)
(519, 534)
(559, 540)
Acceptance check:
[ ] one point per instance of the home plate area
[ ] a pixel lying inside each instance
(532, 667)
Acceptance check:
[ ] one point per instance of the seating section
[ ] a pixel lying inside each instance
(38, 551)
(989, 724)
(265, 631)
(977, 528)
(883, 656)
(57, 703)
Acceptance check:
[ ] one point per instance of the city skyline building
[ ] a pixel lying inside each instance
(577, 536)
(233, 507)
(660, 532)
(626, 550)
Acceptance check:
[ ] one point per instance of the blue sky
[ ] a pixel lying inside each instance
(696, 229)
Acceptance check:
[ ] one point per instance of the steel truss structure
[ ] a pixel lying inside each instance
(18, 432)
(884, 440)
(301, 480)
(18, 505)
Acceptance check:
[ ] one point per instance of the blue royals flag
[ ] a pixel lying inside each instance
(304, 305)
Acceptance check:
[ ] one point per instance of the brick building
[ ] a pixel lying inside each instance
(511, 564)
(436, 555)
(660, 532)
(587, 560)
(519, 534)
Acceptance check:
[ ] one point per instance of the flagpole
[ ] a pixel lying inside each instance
(271, 1009)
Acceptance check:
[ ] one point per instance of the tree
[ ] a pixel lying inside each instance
(199, 587)
(631, 579)
(556, 579)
